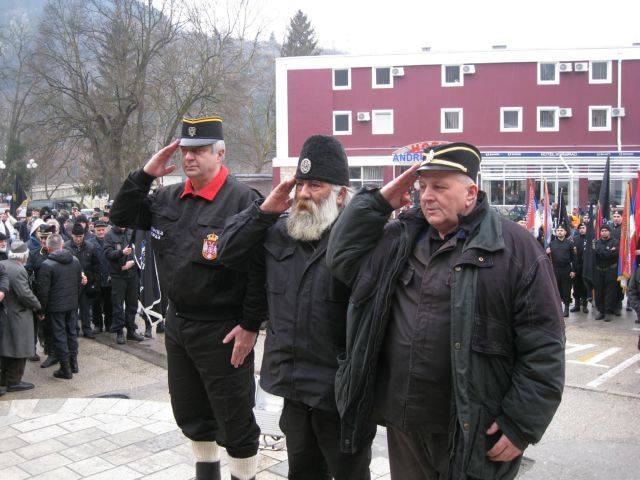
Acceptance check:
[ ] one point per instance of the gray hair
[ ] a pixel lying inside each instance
(465, 179)
(347, 196)
(216, 147)
(22, 257)
(54, 242)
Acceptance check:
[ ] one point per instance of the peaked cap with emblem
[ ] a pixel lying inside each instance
(323, 158)
(452, 157)
(197, 132)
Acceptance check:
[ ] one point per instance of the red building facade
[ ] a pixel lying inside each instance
(546, 114)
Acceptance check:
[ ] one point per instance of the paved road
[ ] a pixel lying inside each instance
(595, 434)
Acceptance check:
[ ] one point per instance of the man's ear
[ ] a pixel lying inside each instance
(472, 194)
(341, 196)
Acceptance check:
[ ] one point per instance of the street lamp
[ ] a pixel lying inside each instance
(31, 166)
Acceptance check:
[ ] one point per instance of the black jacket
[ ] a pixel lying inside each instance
(59, 282)
(562, 255)
(105, 279)
(184, 234)
(114, 243)
(87, 254)
(307, 307)
(507, 332)
(607, 252)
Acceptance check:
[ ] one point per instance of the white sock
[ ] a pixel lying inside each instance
(243, 468)
(206, 451)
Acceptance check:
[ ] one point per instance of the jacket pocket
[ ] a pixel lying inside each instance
(492, 336)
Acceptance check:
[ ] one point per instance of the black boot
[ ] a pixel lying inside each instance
(147, 331)
(566, 310)
(74, 364)
(135, 336)
(120, 338)
(600, 316)
(64, 371)
(160, 327)
(584, 308)
(207, 470)
(50, 361)
(576, 307)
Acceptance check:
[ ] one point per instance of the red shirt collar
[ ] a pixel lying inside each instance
(211, 190)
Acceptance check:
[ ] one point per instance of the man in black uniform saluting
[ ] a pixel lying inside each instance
(214, 313)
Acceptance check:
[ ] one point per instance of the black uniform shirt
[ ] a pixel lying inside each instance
(562, 255)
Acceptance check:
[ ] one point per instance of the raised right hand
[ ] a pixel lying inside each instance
(396, 192)
(157, 165)
(278, 200)
(126, 251)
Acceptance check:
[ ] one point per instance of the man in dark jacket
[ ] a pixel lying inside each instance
(562, 258)
(580, 293)
(60, 281)
(85, 252)
(4, 290)
(102, 303)
(307, 308)
(454, 325)
(214, 312)
(606, 281)
(124, 283)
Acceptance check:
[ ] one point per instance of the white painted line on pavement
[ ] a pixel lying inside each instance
(614, 371)
(602, 355)
(578, 348)
(578, 362)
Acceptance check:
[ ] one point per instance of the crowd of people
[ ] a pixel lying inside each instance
(63, 274)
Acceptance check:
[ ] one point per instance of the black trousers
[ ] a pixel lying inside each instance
(579, 289)
(84, 302)
(313, 445)
(65, 334)
(102, 305)
(418, 455)
(564, 284)
(607, 289)
(211, 400)
(12, 370)
(124, 299)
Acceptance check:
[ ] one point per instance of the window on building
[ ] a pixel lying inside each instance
(365, 177)
(452, 76)
(381, 122)
(515, 192)
(450, 120)
(342, 79)
(511, 119)
(342, 123)
(548, 73)
(381, 77)
(599, 118)
(548, 119)
(600, 72)
(496, 192)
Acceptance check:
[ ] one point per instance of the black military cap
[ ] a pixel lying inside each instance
(82, 218)
(197, 132)
(605, 227)
(77, 229)
(100, 223)
(452, 157)
(323, 158)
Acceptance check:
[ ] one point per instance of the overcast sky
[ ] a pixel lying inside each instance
(400, 26)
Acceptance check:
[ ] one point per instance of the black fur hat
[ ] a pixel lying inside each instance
(323, 158)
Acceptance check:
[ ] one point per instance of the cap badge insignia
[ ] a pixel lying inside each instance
(191, 131)
(210, 247)
(305, 165)
(430, 155)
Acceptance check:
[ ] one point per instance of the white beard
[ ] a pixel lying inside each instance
(308, 225)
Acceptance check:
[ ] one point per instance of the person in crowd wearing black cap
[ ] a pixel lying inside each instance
(22, 226)
(606, 281)
(563, 258)
(307, 308)
(3, 247)
(125, 283)
(521, 221)
(60, 282)
(580, 291)
(616, 233)
(20, 303)
(86, 253)
(84, 222)
(214, 313)
(454, 324)
(102, 303)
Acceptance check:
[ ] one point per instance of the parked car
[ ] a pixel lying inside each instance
(53, 204)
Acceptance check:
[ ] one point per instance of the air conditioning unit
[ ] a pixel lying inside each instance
(565, 67)
(397, 71)
(581, 66)
(364, 116)
(617, 112)
(466, 69)
(565, 112)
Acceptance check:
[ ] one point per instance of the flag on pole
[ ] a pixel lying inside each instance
(547, 221)
(634, 224)
(18, 197)
(625, 259)
(531, 204)
(150, 300)
(562, 211)
(603, 198)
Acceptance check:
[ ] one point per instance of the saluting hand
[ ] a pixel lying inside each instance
(244, 340)
(503, 450)
(157, 165)
(396, 192)
(278, 200)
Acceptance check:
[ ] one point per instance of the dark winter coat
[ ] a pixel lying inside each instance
(114, 243)
(87, 254)
(507, 332)
(59, 282)
(105, 279)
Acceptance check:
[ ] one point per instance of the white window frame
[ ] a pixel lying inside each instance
(333, 79)
(555, 81)
(362, 179)
(374, 84)
(443, 111)
(557, 119)
(443, 76)
(606, 128)
(342, 112)
(597, 81)
(511, 109)
(374, 130)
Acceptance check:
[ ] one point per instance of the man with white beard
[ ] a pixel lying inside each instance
(307, 308)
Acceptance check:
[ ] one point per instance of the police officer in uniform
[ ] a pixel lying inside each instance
(214, 313)
(579, 287)
(562, 258)
(606, 274)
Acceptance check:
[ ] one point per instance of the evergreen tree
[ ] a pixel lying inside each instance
(300, 37)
